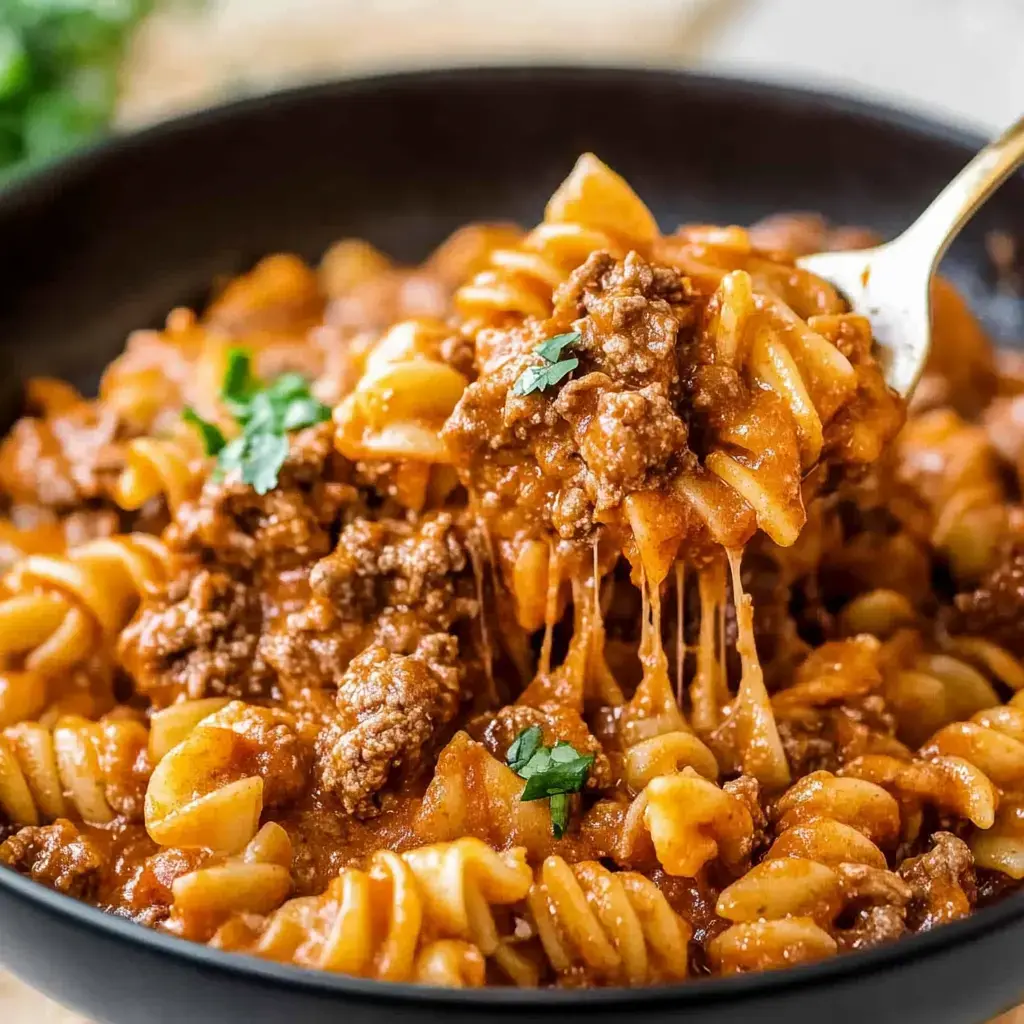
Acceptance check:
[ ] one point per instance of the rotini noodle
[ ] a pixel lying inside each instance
(602, 634)
(93, 770)
(58, 609)
(617, 925)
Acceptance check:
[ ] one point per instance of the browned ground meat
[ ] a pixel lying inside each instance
(557, 722)
(877, 901)
(147, 896)
(386, 581)
(390, 564)
(240, 561)
(747, 788)
(995, 609)
(941, 881)
(199, 637)
(57, 855)
(289, 526)
(825, 738)
(274, 750)
(622, 435)
(61, 461)
(608, 432)
(392, 709)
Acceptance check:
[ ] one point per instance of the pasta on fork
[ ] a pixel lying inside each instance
(574, 609)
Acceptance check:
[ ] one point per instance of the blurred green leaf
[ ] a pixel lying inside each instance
(14, 63)
(59, 62)
(10, 140)
(58, 121)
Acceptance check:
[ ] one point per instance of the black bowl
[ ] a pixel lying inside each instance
(111, 239)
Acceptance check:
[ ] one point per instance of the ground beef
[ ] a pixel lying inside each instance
(56, 855)
(497, 732)
(875, 906)
(148, 894)
(239, 562)
(825, 738)
(198, 638)
(392, 564)
(60, 461)
(554, 459)
(748, 789)
(941, 881)
(995, 610)
(290, 526)
(629, 314)
(272, 747)
(387, 581)
(392, 712)
(622, 435)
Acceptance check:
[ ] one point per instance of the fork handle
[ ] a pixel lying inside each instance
(941, 222)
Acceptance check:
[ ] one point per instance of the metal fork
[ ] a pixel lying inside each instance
(891, 284)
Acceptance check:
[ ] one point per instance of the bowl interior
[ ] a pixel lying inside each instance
(112, 239)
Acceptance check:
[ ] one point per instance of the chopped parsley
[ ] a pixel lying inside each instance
(265, 413)
(553, 370)
(552, 349)
(551, 773)
(211, 435)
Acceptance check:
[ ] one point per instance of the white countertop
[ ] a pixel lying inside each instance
(961, 59)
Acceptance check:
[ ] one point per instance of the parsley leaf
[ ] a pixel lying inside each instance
(524, 747)
(551, 773)
(212, 436)
(558, 804)
(554, 368)
(266, 413)
(239, 384)
(552, 349)
(539, 378)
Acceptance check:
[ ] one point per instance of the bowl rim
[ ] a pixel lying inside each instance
(37, 179)
(40, 182)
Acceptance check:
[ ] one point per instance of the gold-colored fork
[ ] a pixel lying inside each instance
(891, 284)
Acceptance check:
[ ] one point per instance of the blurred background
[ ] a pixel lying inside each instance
(70, 69)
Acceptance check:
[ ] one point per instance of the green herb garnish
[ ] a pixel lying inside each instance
(551, 773)
(554, 368)
(212, 436)
(266, 413)
(524, 746)
(552, 349)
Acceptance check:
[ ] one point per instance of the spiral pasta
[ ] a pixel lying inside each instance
(473, 794)
(209, 790)
(94, 771)
(256, 881)
(402, 399)
(952, 469)
(783, 910)
(166, 468)
(594, 209)
(692, 821)
(927, 689)
(616, 925)
(58, 609)
(408, 917)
